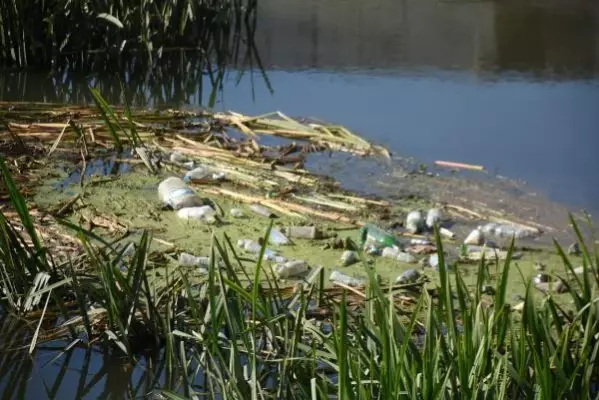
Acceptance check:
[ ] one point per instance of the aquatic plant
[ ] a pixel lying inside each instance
(47, 33)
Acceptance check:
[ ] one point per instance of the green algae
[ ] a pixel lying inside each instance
(132, 199)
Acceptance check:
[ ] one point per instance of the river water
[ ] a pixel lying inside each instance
(512, 85)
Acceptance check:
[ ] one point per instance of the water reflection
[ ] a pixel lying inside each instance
(547, 38)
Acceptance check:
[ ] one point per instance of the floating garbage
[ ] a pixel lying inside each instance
(198, 175)
(447, 233)
(507, 231)
(371, 234)
(349, 257)
(390, 252)
(291, 269)
(406, 257)
(237, 213)
(254, 247)
(277, 237)
(541, 278)
(433, 216)
(203, 213)
(340, 277)
(187, 259)
(408, 276)
(175, 193)
(260, 210)
(415, 222)
(177, 157)
(433, 262)
(189, 165)
(420, 242)
(275, 258)
(302, 232)
(574, 249)
(219, 176)
(476, 237)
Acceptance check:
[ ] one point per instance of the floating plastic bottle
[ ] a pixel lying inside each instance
(340, 277)
(291, 269)
(254, 247)
(177, 157)
(236, 213)
(203, 213)
(506, 231)
(433, 216)
(390, 252)
(406, 257)
(302, 232)
(446, 232)
(198, 175)
(276, 237)
(260, 210)
(420, 242)
(189, 260)
(415, 222)
(348, 258)
(408, 276)
(476, 237)
(175, 193)
(373, 234)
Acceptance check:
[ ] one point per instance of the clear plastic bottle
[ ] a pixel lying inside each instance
(340, 277)
(175, 193)
(203, 213)
(189, 260)
(198, 175)
(276, 237)
(236, 213)
(291, 269)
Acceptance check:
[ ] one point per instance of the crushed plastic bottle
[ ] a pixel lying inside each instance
(476, 237)
(408, 276)
(302, 232)
(189, 260)
(175, 193)
(253, 247)
(276, 237)
(348, 258)
(390, 252)
(198, 175)
(237, 213)
(260, 210)
(371, 234)
(340, 277)
(176, 157)
(446, 232)
(203, 213)
(406, 257)
(415, 222)
(434, 215)
(275, 258)
(505, 231)
(291, 269)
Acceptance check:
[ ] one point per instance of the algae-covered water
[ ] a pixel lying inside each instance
(130, 204)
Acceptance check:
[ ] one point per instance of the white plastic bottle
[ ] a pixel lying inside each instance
(175, 193)
(340, 277)
(203, 213)
(291, 269)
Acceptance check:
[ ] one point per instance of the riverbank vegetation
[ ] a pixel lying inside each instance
(238, 331)
(48, 34)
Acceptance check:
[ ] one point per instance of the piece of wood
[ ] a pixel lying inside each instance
(451, 164)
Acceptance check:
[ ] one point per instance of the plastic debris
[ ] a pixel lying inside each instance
(175, 193)
(198, 175)
(406, 257)
(203, 213)
(189, 165)
(390, 252)
(420, 242)
(415, 222)
(253, 247)
(574, 249)
(447, 233)
(349, 257)
(291, 269)
(371, 234)
(507, 231)
(237, 213)
(177, 157)
(276, 237)
(260, 210)
(340, 277)
(302, 232)
(408, 276)
(434, 216)
(187, 259)
(476, 237)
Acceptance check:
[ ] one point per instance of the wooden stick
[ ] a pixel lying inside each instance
(452, 164)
